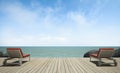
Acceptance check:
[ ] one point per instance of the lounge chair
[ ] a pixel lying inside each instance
(104, 53)
(16, 53)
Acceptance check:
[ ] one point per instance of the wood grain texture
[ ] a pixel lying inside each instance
(59, 65)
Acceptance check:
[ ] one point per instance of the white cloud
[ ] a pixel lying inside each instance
(90, 39)
(74, 28)
(21, 15)
(77, 18)
(33, 40)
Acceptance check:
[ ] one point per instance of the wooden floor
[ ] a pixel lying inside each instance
(59, 65)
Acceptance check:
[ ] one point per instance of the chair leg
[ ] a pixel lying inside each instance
(90, 58)
(29, 58)
(20, 61)
(99, 62)
(115, 63)
(5, 61)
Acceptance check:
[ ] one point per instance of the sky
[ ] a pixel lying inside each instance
(59, 22)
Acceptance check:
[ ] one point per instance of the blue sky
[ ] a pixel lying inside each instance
(59, 22)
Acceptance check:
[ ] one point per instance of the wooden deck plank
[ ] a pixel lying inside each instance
(66, 66)
(72, 66)
(75, 65)
(55, 66)
(62, 66)
(44, 65)
(37, 65)
(112, 69)
(50, 67)
(28, 68)
(59, 65)
(92, 67)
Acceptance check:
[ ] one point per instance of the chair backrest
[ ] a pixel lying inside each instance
(105, 52)
(15, 52)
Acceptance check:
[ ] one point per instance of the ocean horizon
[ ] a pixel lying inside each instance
(56, 51)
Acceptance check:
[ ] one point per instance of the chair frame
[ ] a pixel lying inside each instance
(104, 53)
(16, 53)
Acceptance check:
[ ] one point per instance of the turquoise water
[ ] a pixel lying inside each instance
(55, 51)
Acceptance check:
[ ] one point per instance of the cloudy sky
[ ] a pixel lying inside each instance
(59, 22)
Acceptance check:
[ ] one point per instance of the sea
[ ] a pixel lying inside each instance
(56, 51)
